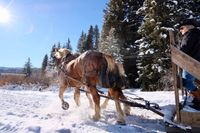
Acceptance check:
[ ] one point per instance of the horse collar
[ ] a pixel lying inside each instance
(65, 59)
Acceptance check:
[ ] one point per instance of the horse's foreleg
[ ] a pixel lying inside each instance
(120, 114)
(90, 100)
(127, 109)
(105, 103)
(77, 96)
(65, 105)
(96, 99)
(89, 97)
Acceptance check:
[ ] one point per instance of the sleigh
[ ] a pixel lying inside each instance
(188, 119)
(179, 120)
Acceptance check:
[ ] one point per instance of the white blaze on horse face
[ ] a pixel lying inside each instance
(58, 55)
(64, 51)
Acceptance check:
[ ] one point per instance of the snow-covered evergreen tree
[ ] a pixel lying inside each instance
(113, 42)
(153, 57)
(188, 9)
(81, 42)
(121, 15)
(159, 15)
(96, 37)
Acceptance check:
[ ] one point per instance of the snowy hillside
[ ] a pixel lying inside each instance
(30, 111)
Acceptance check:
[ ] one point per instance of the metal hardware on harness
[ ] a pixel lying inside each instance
(147, 103)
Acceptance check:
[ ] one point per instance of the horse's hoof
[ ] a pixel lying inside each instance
(65, 106)
(121, 122)
(103, 107)
(95, 118)
(127, 113)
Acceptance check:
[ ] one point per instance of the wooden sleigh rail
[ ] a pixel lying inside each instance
(180, 61)
(185, 62)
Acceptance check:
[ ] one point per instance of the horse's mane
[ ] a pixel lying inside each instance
(69, 57)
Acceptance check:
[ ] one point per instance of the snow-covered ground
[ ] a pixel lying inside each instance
(32, 111)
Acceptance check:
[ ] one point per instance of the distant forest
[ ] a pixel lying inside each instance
(10, 70)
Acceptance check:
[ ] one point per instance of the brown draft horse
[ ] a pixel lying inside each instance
(62, 57)
(90, 69)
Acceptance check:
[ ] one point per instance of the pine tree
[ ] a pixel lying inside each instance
(113, 43)
(58, 45)
(52, 58)
(89, 41)
(122, 16)
(52, 49)
(188, 9)
(154, 57)
(68, 45)
(28, 68)
(192, 10)
(81, 42)
(96, 37)
(44, 64)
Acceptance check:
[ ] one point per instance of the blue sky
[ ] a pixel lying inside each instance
(35, 25)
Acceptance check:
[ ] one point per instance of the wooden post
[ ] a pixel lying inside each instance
(174, 71)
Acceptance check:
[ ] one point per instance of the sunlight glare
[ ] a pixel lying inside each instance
(4, 15)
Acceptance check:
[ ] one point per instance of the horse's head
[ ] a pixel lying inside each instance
(60, 53)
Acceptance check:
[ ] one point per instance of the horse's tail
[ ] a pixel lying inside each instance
(121, 69)
(123, 82)
(111, 73)
(110, 62)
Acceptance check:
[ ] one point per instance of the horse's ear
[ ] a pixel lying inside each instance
(55, 49)
(67, 51)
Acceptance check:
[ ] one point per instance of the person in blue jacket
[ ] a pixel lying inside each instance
(190, 44)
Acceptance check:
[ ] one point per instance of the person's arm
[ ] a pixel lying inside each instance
(188, 42)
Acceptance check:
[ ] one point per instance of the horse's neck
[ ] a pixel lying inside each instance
(60, 63)
(66, 62)
(68, 58)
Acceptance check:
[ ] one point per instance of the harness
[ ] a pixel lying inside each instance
(61, 68)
